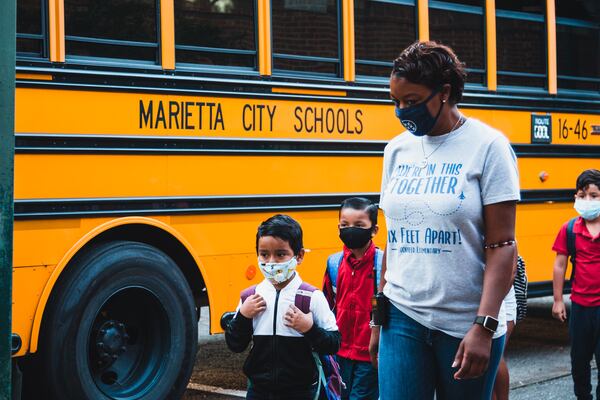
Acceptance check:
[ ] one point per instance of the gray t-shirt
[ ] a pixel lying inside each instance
(434, 217)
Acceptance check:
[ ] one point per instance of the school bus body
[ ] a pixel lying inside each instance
(206, 168)
(152, 137)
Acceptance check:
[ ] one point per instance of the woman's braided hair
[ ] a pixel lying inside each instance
(432, 64)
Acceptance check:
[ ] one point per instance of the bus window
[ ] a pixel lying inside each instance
(578, 44)
(382, 30)
(31, 29)
(521, 41)
(218, 32)
(306, 36)
(125, 29)
(460, 25)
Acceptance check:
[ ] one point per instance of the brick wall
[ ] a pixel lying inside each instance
(309, 33)
(462, 32)
(382, 30)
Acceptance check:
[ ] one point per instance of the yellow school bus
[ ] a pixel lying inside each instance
(153, 136)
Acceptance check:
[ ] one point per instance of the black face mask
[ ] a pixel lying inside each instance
(355, 238)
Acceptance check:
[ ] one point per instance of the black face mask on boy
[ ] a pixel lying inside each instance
(355, 238)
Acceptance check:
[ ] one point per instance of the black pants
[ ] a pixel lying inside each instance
(584, 334)
(257, 394)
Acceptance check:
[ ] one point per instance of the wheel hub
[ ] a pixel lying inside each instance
(129, 343)
(111, 342)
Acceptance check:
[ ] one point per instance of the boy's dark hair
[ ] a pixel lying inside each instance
(283, 227)
(363, 204)
(587, 178)
(433, 65)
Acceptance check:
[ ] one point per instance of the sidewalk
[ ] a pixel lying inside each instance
(538, 350)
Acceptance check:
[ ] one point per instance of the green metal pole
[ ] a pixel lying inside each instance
(8, 16)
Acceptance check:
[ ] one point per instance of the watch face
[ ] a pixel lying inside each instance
(490, 323)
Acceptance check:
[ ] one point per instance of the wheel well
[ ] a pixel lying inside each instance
(168, 244)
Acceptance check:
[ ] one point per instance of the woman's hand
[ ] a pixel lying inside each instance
(253, 306)
(296, 319)
(374, 346)
(559, 311)
(473, 353)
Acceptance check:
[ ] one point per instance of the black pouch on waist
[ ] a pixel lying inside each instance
(380, 308)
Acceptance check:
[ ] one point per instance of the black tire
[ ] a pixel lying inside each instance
(121, 325)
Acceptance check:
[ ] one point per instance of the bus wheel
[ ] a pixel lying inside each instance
(121, 325)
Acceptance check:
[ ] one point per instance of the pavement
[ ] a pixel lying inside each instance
(553, 389)
(537, 356)
(538, 349)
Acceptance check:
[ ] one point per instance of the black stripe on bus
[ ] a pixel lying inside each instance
(137, 145)
(544, 288)
(30, 143)
(66, 208)
(556, 151)
(253, 87)
(506, 101)
(547, 195)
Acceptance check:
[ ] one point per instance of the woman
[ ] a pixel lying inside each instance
(449, 192)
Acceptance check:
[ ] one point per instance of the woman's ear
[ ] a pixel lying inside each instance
(446, 90)
(300, 256)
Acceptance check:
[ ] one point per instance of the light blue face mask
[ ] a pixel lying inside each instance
(588, 209)
(278, 272)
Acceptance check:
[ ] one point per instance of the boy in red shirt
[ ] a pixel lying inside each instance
(350, 281)
(584, 322)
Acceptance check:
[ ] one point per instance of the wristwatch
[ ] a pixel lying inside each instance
(489, 323)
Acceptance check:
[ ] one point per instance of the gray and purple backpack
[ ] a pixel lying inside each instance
(330, 378)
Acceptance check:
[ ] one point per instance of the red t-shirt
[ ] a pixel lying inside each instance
(585, 289)
(355, 288)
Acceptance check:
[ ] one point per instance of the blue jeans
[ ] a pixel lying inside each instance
(360, 378)
(584, 335)
(415, 362)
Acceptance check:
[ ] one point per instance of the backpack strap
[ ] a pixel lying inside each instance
(303, 297)
(249, 291)
(571, 244)
(333, 265)
(322, 379)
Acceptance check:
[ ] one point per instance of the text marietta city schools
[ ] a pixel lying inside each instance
(205, 115)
